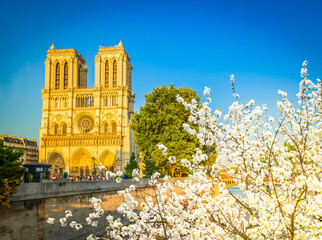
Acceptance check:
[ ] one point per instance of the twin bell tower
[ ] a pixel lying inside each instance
(83, 127)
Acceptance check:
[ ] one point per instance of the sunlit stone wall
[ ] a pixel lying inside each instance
(25, 217)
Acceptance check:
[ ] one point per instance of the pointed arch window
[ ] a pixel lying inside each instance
(105, 128)
(56, 129)
(64, 129)
(113, 101)
(66, 75)
(107, 72)
(57, 77)
(78, 77)
(114, 127)
(114, 73)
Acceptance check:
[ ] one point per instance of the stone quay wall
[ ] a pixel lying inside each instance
(25, 217)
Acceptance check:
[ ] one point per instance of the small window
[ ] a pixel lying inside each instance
(79, 78)
(113, 101)
(105, 128)
(114, 73)
(66, 75)
(114, 127)
(64, 128)
(57, 79)
(56, 129)
(107, 72)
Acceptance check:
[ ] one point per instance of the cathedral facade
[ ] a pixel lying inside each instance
(83, 127)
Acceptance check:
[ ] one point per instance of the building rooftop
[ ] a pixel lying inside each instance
(18, 140)
(37, 165)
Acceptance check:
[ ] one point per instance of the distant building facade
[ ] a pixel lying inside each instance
(82, 127)
(30, 147)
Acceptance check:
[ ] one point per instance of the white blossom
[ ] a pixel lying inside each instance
(91, 237)
(232, 79)
(276, 164)
(68, 214)
(163, 148)
(89, 220)
(119, 173)
(206, 91)
(135, 172)
(101, 167)
(136, 179)
(63, 221)
(118, 180)
(50, 220)
(78, 226)
(72, 224)
(172, 159)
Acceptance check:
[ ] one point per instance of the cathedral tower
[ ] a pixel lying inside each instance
(84, 127)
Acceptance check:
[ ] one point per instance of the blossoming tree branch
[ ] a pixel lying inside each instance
(277, 163)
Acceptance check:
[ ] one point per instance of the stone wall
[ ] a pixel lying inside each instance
(25, 217)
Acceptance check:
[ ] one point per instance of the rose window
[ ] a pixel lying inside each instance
(85, 123)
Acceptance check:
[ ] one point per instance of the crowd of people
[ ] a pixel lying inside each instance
(86, 178)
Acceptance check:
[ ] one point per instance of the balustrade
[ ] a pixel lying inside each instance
(84, 100)
(100, 140)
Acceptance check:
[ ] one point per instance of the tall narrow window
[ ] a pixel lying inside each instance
(114, 127)
(107, 72)
(105, 128)
(57, 79)
(56, 129)
(66, 75)
(64, 128)
(78, 79)
(114, 73)
(113, 101)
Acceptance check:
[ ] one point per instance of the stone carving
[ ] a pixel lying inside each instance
(109, 117)
(82, 141)
(85, 123)
(59, 118)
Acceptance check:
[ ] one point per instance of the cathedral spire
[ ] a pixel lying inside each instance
(120, 44)
(52, 47)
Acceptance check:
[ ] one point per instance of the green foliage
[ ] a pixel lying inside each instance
(160, 121)
(150, 166)
(11, 171)
(210, 161)
(132, 164)
(94, 172)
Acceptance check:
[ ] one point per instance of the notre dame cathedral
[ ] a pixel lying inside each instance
(82, 127)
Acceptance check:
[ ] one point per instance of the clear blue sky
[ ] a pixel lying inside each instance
(188, 43)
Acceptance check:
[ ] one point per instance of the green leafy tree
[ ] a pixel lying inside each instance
(160, 121)
(94, 172)
(132, 164)
(11, 171)
(150, 166)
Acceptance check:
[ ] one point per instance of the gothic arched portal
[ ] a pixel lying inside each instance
(57, 163)
(81, 162)
(107, 159)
